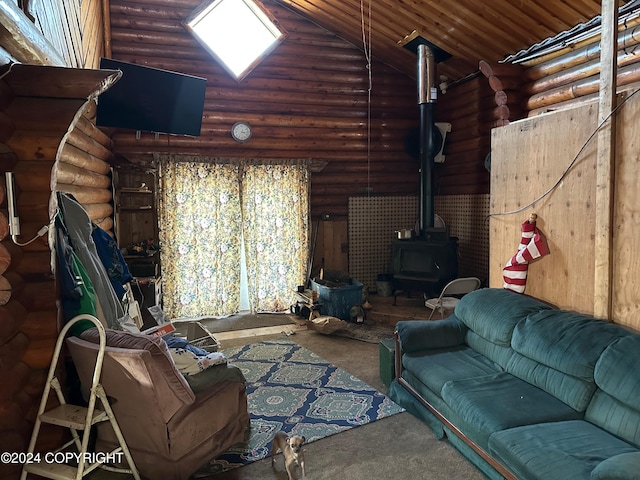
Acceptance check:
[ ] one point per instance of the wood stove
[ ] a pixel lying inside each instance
(424, 264)
(429, 261)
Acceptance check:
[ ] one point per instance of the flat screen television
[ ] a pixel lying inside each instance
(152, 100)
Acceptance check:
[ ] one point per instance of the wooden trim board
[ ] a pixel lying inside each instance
(257, 332)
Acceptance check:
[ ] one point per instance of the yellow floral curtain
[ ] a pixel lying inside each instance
(203, 204)
(200, 233)
(275, 209)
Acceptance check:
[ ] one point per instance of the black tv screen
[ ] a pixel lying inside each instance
(152, 100)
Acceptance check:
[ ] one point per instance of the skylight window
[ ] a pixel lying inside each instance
(238, 33)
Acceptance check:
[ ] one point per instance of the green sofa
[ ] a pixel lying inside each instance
(524, 390)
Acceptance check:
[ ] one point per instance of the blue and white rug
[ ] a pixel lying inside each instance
(292, 389)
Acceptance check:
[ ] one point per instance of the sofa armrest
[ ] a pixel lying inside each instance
(625, 466)
(204, 380)
(416, 335)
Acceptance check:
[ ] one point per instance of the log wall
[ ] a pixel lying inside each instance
(49, 143)
(571, 77)
(469, 108)
(307, 99)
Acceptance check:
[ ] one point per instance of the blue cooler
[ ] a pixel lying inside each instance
(337, 301)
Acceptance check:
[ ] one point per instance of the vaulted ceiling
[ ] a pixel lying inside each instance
(470, 30)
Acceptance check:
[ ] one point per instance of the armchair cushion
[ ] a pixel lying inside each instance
(159, 351)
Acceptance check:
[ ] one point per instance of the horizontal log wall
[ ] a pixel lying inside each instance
(84, 170)
(308, 99)
(47, 134)
(572, 76)
(469, 108)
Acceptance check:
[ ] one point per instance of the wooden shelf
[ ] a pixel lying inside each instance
(136, 221)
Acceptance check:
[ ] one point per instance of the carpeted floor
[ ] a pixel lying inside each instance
(292, 389)
(397, 447)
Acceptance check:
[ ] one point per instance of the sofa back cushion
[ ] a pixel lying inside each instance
(557, 351)
(615, 405)
(493, 313)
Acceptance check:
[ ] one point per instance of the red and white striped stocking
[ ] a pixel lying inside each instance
(532, 246)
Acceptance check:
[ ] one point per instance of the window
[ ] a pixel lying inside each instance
(238, 33)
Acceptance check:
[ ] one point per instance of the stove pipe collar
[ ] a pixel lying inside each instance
(427, 89)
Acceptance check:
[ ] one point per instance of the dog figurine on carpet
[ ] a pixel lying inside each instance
(291, 448)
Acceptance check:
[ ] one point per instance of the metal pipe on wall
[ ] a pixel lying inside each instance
(427, 93)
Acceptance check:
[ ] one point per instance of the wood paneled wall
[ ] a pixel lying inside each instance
(75, 28)
(529, 157)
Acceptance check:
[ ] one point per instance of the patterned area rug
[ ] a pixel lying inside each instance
(292, 389)
(369, 333)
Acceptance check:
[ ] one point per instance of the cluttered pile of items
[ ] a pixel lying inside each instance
(335, 304)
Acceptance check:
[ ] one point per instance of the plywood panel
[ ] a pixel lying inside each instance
(528, 158)
(626, 222)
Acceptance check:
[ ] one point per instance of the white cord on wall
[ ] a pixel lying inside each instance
(366, 45)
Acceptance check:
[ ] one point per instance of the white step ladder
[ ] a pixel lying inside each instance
(76, 418)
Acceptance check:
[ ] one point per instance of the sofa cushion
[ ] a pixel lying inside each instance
(556, 450)
(500, 401)
(575, 392)
(494, 312)
(565, 341)
(615, 406)
(497, 353)
(625, 466)
(158, 349)
(436, 367)
(558, 350)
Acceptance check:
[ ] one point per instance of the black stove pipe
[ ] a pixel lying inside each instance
(427, 93)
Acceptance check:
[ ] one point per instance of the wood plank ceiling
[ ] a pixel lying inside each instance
(470, 30)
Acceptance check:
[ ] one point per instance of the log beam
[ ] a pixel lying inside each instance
(22, 39)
